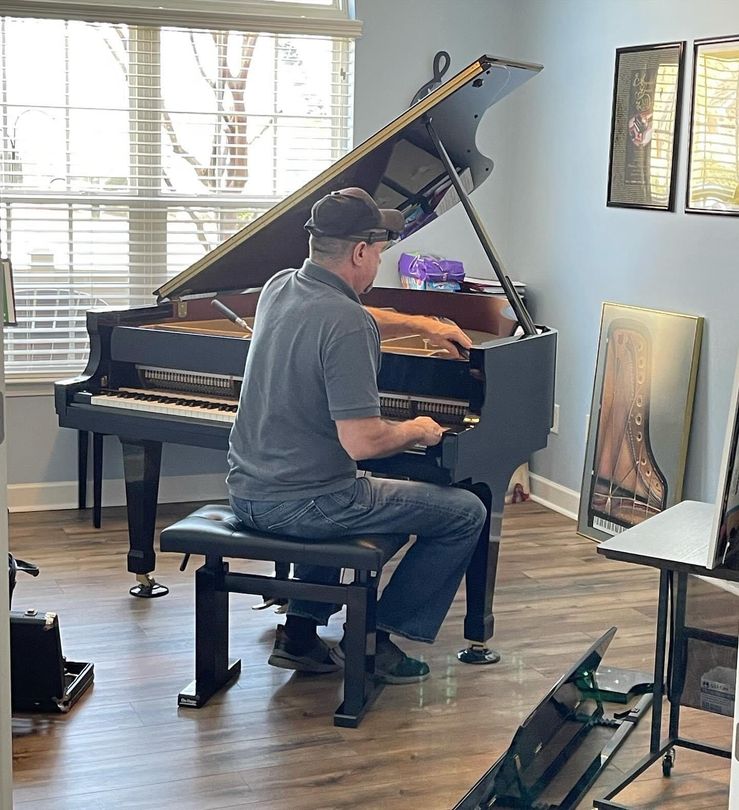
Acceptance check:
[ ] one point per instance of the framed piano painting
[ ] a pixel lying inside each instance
(645, 123)
(645, 373)
(713, 157)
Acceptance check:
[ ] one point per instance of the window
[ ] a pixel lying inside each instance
(129, 151)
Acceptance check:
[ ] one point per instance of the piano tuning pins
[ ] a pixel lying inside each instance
(627, 484)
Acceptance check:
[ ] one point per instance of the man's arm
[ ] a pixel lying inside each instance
(374, 437)
(443, 334)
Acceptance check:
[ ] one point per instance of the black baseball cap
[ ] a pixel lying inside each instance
(353, 215)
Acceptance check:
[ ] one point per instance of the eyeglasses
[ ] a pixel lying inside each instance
(374, 236)
(370, 237)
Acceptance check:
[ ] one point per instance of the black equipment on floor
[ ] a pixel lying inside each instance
(558, 751)
(41, 678)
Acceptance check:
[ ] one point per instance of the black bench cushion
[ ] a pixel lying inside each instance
(215, 530)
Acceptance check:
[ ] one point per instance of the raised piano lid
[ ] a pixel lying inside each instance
(394, 165)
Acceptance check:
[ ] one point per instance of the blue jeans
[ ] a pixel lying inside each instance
(447, 524)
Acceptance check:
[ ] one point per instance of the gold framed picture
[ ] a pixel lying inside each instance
(645, 126)
(713, 159)
(637, 442)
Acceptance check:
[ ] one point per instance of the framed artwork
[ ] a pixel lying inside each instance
(7, 293)
(645, 126)
(722, 548)
(637, 441)
(713, 158)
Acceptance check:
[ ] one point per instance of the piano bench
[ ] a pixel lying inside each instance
(215, 532)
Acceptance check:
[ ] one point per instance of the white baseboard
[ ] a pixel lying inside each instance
(63, 494)
(554, 496)
(212, 487)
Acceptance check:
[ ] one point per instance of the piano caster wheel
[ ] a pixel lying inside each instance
(148, 587)
(668, 762)
(478, 654)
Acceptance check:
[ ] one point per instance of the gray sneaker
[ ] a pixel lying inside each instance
(316, 659)
(392, 665)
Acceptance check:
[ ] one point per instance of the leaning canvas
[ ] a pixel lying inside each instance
(722, 548)
(637, 441)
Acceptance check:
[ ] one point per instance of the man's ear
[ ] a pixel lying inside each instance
(358, 252)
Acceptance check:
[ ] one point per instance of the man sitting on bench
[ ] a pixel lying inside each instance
(310, 408)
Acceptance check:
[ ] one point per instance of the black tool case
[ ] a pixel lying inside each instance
(41, 677)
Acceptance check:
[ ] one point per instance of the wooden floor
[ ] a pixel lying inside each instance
(268, 742)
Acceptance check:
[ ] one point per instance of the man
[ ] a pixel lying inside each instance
(309, 409)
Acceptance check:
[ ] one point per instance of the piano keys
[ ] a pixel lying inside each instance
(167, 403)
(172, 372)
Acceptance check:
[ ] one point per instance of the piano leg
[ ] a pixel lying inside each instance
(83, 441)
(141, 462)
(97, 479)
(479, 621)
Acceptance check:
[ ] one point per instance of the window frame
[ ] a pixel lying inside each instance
(41, 377)
(269, 16)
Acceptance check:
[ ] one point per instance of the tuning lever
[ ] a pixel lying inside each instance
(463, 353)
(231, 315)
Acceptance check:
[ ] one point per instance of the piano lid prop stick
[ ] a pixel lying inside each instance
(232, 316)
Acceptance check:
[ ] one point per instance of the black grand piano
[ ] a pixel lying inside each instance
(172, 372)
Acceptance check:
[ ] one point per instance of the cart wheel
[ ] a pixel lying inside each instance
(668, 761)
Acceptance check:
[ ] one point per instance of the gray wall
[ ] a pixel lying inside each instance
(394, 59)
(575, 252)
(545, 204)
(544, 207)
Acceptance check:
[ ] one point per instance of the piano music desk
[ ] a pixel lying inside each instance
(676, 542)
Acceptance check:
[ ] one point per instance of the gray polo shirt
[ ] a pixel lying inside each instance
(313, 359)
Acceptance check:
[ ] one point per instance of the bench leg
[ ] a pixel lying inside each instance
(212, 670)
(360, 688)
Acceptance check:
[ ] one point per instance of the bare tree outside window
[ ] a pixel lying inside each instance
(138, 149)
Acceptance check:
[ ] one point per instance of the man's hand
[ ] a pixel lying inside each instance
(374, 437)
(431, 432)
(444, 334)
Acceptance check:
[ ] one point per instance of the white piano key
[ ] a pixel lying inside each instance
(167, 404)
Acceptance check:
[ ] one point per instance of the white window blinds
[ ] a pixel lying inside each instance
(130, 151)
